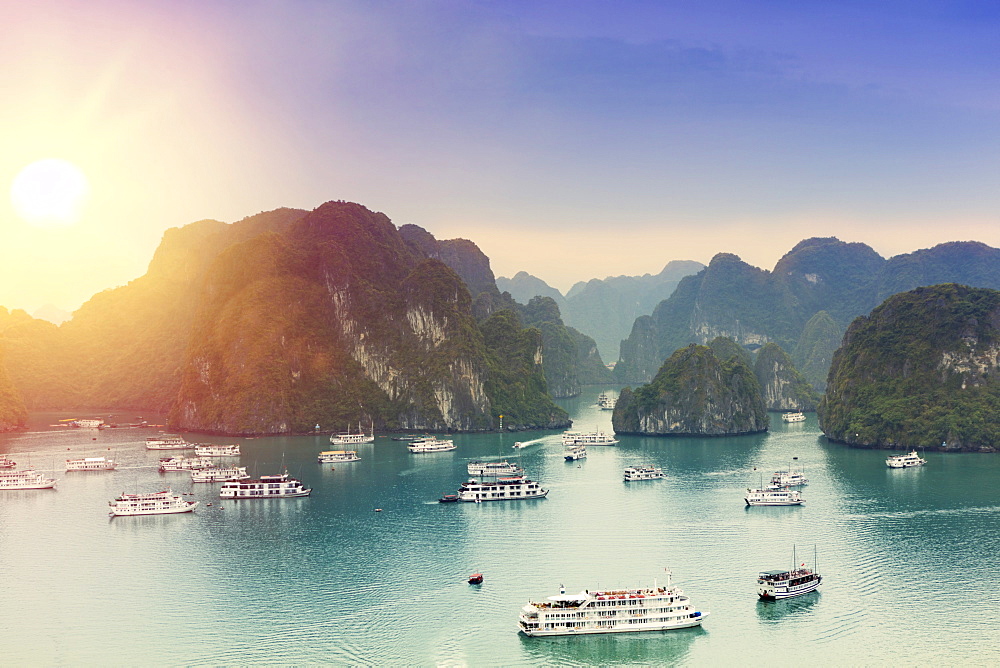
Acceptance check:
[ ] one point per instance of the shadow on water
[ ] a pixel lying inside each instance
(645, 648)
(771, 612)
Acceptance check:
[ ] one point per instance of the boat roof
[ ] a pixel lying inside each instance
(566, 598)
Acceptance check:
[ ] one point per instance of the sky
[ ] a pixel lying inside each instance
(571, 140)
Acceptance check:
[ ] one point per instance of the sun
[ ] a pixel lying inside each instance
(50, 193)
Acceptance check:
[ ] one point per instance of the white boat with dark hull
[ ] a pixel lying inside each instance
(789, 478)
(905, 461)
(225, 474)
(279, 486)
(6, 462)
(171, 464)
(502, 489)
(653, 608)
(596, 437)
(431, 444)
(337, 457)
(25, 479)
(575, 452)
(793, 416)
(167, 442)
(773, 495)
(154, 503)
(494, 469)
(636, 473)
(350, 438)
(606, 401)
(91, 464)
(212, 450)
(798, 580)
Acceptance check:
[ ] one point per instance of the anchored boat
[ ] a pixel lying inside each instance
(653, 608)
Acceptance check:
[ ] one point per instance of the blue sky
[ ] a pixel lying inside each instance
(568, 139)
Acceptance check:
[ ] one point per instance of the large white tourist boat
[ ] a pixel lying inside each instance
(350, 438)
(167, 442)
(6, 462)
(793, 416)
(91, 464)
(905, 461)
(430, 444)
(88, 423)
(26, 479)
(494, 469)
(502, 489)
(596, 437)
(224, 474)
(774, 495)
(774, 585)
(575, 452)
(789, 478)
(653, 608)
(212, 450)
(181, 463)
(154, 503)
(267, 487)
(337, 456)
(634, 473)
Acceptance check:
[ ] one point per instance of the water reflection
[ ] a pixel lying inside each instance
(770, 612)
(644, 648)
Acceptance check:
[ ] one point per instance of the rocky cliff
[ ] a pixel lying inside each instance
(338, 320)
(781, 385)
(921, 371)
(13, 414)
(694, 394)
(730, 298)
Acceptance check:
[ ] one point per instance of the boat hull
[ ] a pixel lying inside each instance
(50, 484)
(125, 512)
(779, 593)
(469, 498)
(680, 623)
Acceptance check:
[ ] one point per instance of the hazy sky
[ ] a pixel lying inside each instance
(568, 139)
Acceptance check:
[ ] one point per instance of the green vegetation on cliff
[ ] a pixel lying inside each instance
(694, 393)
(920, 371)
(13, 414)
(782, 385)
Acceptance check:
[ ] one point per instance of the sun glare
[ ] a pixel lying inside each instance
(49, 193)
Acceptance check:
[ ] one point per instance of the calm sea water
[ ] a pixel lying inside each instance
(909, 557)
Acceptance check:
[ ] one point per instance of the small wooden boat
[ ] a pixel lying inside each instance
(476, 579)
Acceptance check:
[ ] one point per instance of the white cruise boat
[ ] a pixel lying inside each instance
(793, 416)
(774, 495)
(634, 473)
(26, 479)
(494, 469)
(606, 402)
(775, 585)
(337, 456)
(430, 444)
(597, 437)
(167, 442)
(789, 478)
(154, 503)
(501, 489)
(211, 450)
(905, 461)
(611, 611)
(226, 474)
(91, 464)
(350, 438)
(267, 487)
(6, 462)
(88, 424)
(575, 452)
(169, 464)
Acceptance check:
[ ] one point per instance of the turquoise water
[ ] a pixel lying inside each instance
(909, 557)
